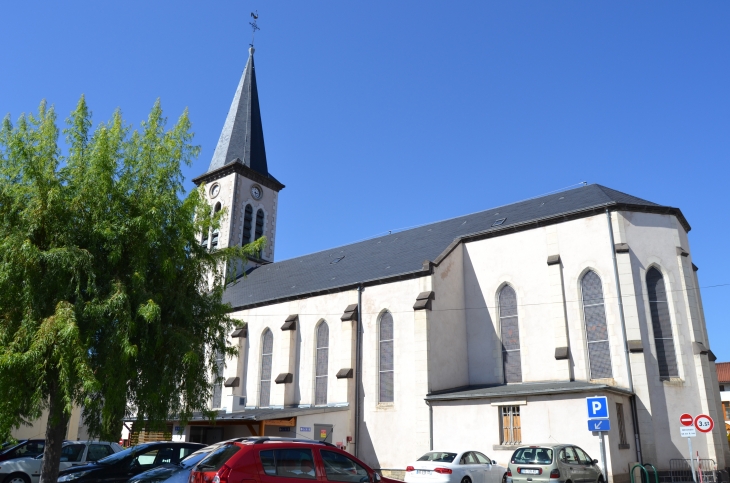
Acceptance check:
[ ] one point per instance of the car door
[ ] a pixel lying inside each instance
(490, 470)
(570, 465)
(97, 452)
(591, 471)
(72, 455)
(472, 467)
(340, 468)
(287, 465)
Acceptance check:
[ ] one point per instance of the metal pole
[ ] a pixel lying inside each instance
(358, 370)
(603, 455)
(691, 460)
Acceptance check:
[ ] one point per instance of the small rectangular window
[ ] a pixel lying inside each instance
(622, 443)
(510, 424)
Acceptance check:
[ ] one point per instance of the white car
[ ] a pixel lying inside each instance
(73, 453)
(455, 467)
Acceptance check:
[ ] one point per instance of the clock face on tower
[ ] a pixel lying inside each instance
(256, 192)
(214, 190)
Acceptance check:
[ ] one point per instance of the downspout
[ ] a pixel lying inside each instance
(632, 399)
(430, 426)
(358, 369)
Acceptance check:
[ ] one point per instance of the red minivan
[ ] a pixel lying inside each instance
(282, 460)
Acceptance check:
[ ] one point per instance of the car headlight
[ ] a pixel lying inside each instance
(73, 476)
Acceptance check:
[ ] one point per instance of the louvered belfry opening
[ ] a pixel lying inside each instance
(247, 221)
(510, 333)
(214, 238)
(594, 313)
(218, 387)
(259, 223)
(267, 352)
(662, 324)
(322, 363)
(386, 365)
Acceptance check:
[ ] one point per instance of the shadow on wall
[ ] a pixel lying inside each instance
(367, 450)
(483, 344)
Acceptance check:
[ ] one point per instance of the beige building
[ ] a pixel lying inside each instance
(483, 332)
(37, 429)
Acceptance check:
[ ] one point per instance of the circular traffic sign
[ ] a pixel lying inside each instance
(686, 419)
(704, 423)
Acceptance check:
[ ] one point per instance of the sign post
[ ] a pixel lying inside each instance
(598, 422)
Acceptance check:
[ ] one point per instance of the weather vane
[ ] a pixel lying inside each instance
(254, 26)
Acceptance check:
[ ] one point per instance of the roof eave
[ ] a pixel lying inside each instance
(243, 170)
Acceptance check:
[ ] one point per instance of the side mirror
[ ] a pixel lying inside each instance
(494, 462)
(376, 477)
(595, 462)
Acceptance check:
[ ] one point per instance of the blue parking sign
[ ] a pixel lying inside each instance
(599, 425)
(597, 407)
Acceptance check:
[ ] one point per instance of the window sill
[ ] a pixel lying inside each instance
(672, 381)
(624, 446)
(505, 447)
(385, 405)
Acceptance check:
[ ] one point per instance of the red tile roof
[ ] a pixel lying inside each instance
(723, 371)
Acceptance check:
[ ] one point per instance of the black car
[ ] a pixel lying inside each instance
(26, 448)
(122, 466)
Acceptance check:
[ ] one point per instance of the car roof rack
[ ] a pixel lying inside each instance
(274, 439)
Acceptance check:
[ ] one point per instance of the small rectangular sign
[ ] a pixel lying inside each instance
(688, 431)
(284, 429)
(597, 407)
(305, 429)
(599, 425)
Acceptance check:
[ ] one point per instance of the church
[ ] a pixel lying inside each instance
(485, 331)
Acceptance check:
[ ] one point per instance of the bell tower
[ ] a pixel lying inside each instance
(238, 177)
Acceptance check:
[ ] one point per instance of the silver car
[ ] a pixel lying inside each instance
(553, 463)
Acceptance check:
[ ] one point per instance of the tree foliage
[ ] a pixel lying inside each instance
(107, 298)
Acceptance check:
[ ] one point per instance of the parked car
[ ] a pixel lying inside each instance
(269, 459)
(552, 462)
(73, 453)
(126, 464)
(23, 449)
(180, 472)
(455, 467)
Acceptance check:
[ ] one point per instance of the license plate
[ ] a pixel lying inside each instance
(423, 472)
(530, 472)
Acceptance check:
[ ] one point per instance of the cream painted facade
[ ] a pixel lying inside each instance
(37, 429)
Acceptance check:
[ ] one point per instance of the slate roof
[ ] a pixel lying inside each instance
(242, 137)
(410, 253)
(262, 414)
(523, 389)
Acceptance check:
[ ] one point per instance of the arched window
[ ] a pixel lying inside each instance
(510, 333)
(214, 238)
(320, 375)
(267, 352)
(662, 324)
(259, 223)
(385, 368)
(594, 313)
(247, 220)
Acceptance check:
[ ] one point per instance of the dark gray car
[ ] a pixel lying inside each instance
(552, 463)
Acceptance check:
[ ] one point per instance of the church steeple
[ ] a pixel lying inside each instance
(242, 138)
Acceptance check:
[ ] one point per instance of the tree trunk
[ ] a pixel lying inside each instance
(55, 434)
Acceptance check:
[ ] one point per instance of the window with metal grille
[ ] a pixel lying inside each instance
(218, 387)
(662, 324)
(322, 360)
(386, 358)
(267, 352)
(510, 333)
(622, 443)
(259, 223)
(510, 424)
(247, 221)
(214, 237)
(594, 315)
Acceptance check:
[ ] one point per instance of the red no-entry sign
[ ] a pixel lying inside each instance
(686, 419)
(704, 423)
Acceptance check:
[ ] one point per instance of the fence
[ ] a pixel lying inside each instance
(681, 471)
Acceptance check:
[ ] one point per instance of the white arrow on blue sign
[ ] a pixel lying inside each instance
(597, 407)
(599, 425)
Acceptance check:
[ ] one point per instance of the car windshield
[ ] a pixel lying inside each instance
(438, 456)
(193, 459)
(534, 455)
(116, 457)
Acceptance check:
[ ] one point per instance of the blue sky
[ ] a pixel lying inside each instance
(384, 115)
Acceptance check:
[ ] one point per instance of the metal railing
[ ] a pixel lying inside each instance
(681, 471)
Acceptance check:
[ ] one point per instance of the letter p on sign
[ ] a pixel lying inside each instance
(597, 407)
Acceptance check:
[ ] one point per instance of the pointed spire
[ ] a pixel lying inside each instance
(242, 138)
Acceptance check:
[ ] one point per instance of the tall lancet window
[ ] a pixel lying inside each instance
(662, 324)
(267, 352)
(218, 387)
(594, 313)
(322, 361)
(386, 365)
(259, 223)
(510, 333)
(214, 238)
(247, 222)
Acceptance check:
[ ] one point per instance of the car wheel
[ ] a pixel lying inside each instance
(17, 478)
(600, 479)
(504, 478)
(466, 479)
